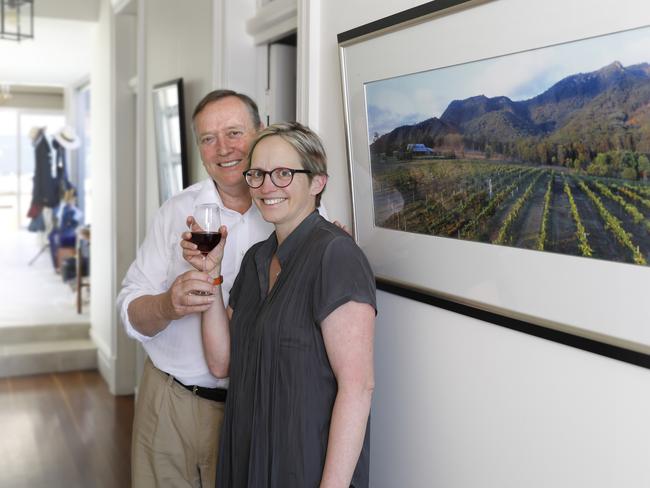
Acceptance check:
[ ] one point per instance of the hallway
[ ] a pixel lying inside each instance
(64, 430)
(40, 329)
(36, 294)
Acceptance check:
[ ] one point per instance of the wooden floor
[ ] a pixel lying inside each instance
(64, 430)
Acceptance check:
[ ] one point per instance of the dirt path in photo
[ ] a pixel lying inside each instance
(601, 240)
(489, 228)
(528, 226)
(561, 227)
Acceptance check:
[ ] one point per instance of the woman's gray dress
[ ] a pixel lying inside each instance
(282, 388)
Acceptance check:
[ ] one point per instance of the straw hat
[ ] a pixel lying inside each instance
(34, 132)
(67, 138)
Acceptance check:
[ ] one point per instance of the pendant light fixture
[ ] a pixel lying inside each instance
(16, 19)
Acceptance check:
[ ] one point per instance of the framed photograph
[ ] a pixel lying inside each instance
(499, 157)
(171, 149)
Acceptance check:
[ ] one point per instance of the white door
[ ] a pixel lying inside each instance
(281, 90)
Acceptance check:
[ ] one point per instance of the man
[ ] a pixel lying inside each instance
(180, 406)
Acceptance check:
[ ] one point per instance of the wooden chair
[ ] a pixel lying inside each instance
(83, 235)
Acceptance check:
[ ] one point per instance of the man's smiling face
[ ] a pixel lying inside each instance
(225, 131)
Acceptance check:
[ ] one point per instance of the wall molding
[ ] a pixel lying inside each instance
(219, 52)
(105, 360)
(273, 21)
(561, 337)
(309, 63)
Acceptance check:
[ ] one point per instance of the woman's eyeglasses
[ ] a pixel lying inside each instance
(280, 177)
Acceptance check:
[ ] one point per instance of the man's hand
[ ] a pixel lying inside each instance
(181, 298)
(342, 226)
(151, 314)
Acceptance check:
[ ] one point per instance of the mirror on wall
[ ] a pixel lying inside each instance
(171, 149)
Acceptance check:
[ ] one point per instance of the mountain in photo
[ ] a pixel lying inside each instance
(603, 110)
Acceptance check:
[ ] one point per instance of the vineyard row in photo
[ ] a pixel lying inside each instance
(543, 208)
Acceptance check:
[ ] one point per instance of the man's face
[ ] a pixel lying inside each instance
(225, 132)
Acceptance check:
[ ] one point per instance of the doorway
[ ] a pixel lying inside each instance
(40, 329)
(281, 80)
(17, 162)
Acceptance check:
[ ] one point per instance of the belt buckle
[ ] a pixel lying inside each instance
(195, 389)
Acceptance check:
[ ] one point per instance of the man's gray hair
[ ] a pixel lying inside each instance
(216, 95)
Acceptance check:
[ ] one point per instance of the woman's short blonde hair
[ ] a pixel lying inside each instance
(304, 141)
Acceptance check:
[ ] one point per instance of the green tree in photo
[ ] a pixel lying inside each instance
(629, 173)
(600, 165)
(579, 163)
(597, 169)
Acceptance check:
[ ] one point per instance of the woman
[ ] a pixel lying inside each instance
(297, 335)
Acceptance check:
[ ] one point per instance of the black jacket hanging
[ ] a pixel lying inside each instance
(62, 180)
(46, 191)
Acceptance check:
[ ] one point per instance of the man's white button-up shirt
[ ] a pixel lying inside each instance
(178, 349)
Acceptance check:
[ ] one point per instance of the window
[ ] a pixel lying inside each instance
(82, 167)
(17, 162)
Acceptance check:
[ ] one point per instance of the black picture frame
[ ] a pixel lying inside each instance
(170, 136)
(459, 276)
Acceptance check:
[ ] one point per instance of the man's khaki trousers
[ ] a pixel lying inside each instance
(175, 434)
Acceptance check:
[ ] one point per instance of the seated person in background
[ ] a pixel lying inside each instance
(297, 336)
(64, 232)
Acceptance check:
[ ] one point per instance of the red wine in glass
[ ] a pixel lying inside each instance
(205, 232)
(205, 241)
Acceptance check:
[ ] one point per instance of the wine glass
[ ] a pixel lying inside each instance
(205, 229)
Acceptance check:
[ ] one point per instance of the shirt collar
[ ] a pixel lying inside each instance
(208, 194)
(295, 240)
(286, 251)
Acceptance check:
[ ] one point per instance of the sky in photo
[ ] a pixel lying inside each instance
(409, 99)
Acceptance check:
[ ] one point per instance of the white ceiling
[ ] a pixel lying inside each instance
(87, 10)
(59, 54)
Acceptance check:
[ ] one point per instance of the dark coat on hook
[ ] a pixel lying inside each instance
(46, 191)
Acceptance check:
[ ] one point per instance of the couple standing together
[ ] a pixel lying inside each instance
(286, 336)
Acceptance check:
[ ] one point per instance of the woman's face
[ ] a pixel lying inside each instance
(285, 207)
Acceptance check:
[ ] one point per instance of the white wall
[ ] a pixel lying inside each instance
(179, 43)
(102, 257)
(112, 160)
(87, 10)
(234, 56)
(208, 46)
(462, 403)
(58, 55)
(124, 191)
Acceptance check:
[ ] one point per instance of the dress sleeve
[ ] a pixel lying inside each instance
(345, 276)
